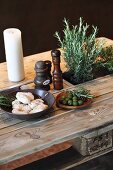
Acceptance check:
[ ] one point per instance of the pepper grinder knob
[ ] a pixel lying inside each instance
(57, 73)
(56, 53)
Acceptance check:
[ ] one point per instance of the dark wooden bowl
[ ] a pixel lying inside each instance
(45, 95)
(58, 97)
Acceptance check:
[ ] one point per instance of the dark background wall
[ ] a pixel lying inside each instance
(39, 19)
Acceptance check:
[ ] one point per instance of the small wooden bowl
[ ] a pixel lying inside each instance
(58, 97)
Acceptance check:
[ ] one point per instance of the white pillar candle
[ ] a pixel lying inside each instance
(14, 54)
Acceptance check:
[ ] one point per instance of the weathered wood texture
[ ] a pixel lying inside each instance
(94, 142)
(66, 125)
(22, 138)
(8, 124)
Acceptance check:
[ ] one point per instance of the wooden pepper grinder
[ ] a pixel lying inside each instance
(41, 80)
(48, 65)
(57, 73)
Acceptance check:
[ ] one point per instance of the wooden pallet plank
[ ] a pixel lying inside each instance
(44, 134)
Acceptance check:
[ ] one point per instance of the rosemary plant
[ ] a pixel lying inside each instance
(80, 49)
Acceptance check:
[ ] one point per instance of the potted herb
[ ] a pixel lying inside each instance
(80, 50)
(104, 63)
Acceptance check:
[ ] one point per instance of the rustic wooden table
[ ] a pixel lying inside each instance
(22, 142)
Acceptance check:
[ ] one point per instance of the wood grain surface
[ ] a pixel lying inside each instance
(19, 139)
(29, 137)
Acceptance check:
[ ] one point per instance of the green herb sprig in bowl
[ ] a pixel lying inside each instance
(82, 92)
(77, 97)
(6, 101)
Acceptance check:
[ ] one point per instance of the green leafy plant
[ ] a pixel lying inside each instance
(106, 58)
(80, 49)
(6, 101)
(82, 92)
